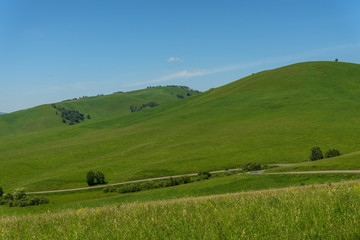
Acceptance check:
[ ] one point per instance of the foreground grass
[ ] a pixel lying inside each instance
(328, 211)
(219, 185)
(344, 162)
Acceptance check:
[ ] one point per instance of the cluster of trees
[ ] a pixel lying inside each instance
(317, 154)
(18, 198)
(179, 96)
(135, 108)
(95, 178)
(70, 116)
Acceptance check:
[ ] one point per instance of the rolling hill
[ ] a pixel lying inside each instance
(99, 107)
(274, 116)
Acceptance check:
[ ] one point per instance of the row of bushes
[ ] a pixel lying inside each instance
(136, 187)
(135, 108)
(317, 154)
(18, 198)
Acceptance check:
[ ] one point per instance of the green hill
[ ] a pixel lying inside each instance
(98, 107)
(273, 116)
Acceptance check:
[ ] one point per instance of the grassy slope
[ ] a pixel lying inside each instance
(314, 212)
(344, 162)
(99, 107)
(270, 117)
(219, 185)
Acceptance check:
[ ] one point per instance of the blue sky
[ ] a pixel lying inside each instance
(55, 50)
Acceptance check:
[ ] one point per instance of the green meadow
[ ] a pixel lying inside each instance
(223, 184)
(329, 211)
(273, 116)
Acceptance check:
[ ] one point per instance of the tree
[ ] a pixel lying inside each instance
(90, 178)
(336, 60)
(100, 178)
(316, 154)
(88, 116)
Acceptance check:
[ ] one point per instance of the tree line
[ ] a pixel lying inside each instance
(135, 108)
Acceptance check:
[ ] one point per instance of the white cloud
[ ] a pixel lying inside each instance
(186, 74)
(173, 59)
(182, 74)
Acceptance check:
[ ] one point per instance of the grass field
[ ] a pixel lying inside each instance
(218, 185)
(273, 116)
(312, 212)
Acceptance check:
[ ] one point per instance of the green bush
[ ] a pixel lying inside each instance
(316, 154)
(332, 153)
(186, 179)
(147, 185)
(204, 175)
(100, 178)
(253, 167)
(90, 178)
(18, 198)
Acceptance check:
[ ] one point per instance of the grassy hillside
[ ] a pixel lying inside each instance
(274, 116)
(217, 185)
(99, 107)
(313, 212)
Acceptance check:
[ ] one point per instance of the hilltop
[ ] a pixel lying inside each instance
(273, 116)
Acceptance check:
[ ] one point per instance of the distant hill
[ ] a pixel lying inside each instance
(2, 113)
(98, 107)
(274, 116)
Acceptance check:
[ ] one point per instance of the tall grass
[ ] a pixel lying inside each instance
(328, 211)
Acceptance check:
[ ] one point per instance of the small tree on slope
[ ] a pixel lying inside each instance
(90, 178)
(316, 154)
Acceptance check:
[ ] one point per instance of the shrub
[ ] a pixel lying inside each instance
(186, 179)
(100, 178)
(90, 178)
(147, 185)
(127, 188)
(204, 175)
(8, 196)
(332, 153)
(18, 198)
(316, 154)
(19, 194)
(1, 192)
(253, 167)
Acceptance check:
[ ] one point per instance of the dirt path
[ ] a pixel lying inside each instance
(134, 181)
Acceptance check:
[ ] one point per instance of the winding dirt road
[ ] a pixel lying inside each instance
(189, 175)
(134, 181)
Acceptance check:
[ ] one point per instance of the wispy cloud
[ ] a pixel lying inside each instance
(173, 59)
(186, 74)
